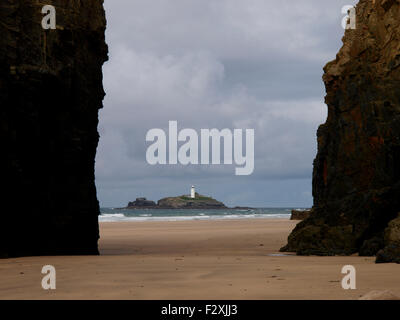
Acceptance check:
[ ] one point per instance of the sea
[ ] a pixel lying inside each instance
(116, 215)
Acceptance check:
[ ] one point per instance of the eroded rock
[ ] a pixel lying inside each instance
(356, 178)
(300, 214)
(391, 251)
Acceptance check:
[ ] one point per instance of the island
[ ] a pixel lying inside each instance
(141, 203)
(180, 202)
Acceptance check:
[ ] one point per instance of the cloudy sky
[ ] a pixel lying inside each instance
(216, 64)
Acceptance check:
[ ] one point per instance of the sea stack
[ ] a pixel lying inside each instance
(356, 179)
(50, 93)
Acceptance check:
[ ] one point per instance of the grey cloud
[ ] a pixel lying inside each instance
(235, 64)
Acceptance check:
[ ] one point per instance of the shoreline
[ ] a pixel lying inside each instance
(111, 215)
(188, 219)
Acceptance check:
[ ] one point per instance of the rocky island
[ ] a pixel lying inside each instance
(180, 202)
(141, 203)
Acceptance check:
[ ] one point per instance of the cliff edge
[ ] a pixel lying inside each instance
(356, 178)
(50, 93)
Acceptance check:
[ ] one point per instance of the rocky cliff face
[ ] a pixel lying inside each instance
(50, 94)
(356, 179)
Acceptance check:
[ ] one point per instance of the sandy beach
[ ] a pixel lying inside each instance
(222, 259)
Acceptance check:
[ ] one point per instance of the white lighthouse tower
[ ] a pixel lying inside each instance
(192, 193)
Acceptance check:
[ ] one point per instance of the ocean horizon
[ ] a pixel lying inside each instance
(119, 215)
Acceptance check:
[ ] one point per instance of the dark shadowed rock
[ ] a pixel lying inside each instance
(50, 93)
(300, 214)
(391, 251)
(356, 178)
(371, 246)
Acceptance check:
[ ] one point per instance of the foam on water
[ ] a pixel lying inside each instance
(117, 215)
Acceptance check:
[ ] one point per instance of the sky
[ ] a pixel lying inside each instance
(236, 64)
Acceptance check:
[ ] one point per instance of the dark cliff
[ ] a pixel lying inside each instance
(50, 93)
(356, 179)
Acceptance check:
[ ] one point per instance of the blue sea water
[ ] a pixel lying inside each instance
(113, 214)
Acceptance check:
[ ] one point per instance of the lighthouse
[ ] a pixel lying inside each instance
(192, 193)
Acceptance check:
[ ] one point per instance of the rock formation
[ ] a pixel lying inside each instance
(50, 93)
(185, 202)
(391, 241)
(180, 202)
(356, 179)
(300, 214)
(141, 203)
